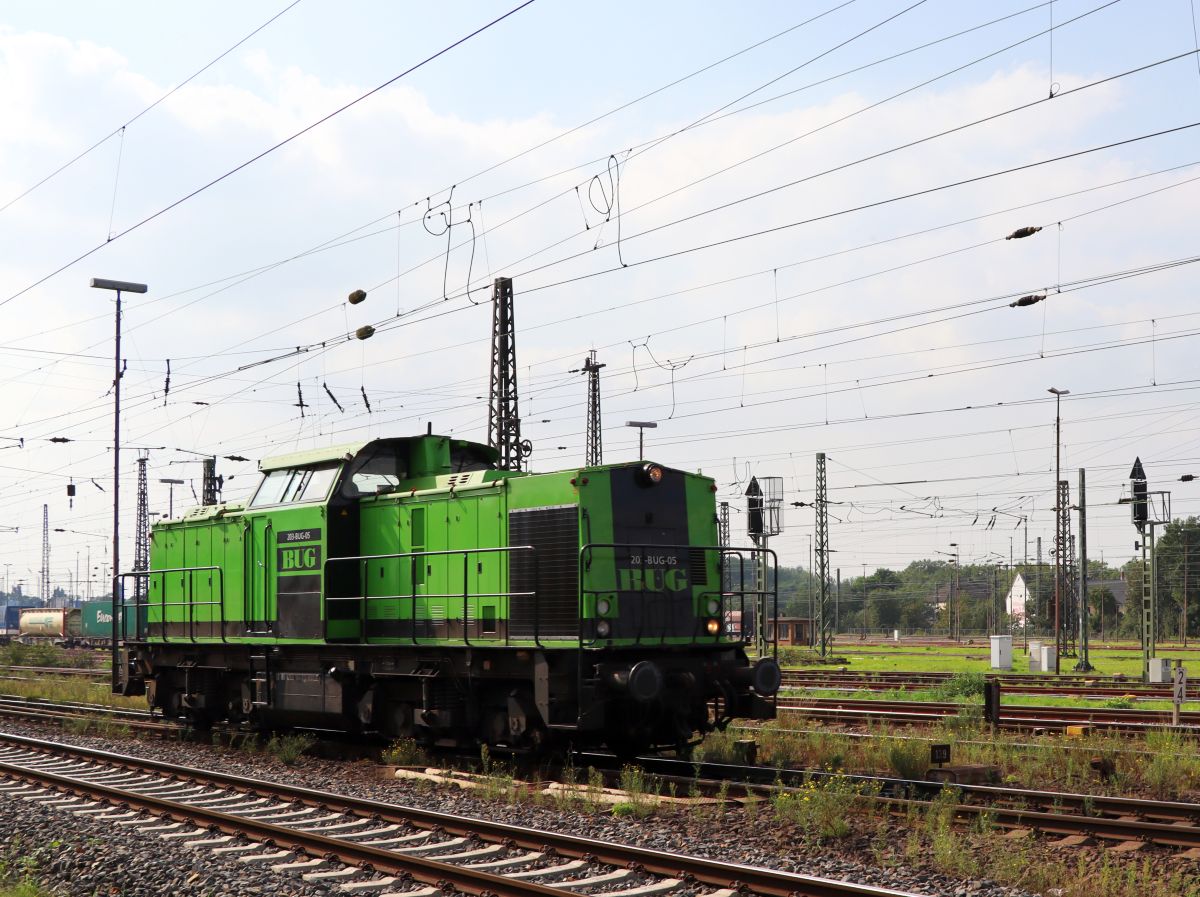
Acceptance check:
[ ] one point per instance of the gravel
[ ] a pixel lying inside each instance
(80, 856)
(75, 855)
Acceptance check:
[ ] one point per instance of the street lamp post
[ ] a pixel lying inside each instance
(950, 627)
(171, 484)
(1059, 560)
(117, 286)
(642, 427)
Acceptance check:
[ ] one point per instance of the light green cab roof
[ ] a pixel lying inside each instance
(314, 456)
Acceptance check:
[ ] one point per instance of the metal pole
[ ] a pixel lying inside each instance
(1153, 629)
(811, 614)
(1060, 547)
(950, 601)
(837, 602)
(1084, 664)
(994, 617)
(953, 609)
(760, 598)
(1025, 586)
(824, 620)
(116, 546)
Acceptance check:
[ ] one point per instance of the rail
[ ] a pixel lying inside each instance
(416, 579)
(90, 774)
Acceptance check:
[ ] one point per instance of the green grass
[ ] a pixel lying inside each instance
(55, 688)
(23, 889)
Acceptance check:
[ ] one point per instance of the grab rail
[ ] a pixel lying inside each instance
(139, 606)
(413, 557)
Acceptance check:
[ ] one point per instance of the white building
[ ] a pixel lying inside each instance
(1018, 595)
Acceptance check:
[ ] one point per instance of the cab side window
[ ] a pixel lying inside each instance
(379, 471)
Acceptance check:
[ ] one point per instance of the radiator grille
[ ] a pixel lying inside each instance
(697, 561)
(553, 574)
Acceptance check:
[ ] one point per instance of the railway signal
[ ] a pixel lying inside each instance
(1147, 510)
(764, 519)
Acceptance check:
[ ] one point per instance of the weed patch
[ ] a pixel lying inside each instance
(288, 749)
(404, 752)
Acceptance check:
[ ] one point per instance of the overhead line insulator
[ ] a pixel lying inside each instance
(1022, 232)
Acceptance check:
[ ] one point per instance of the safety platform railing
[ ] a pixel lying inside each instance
(417, 559)
(143, 603)
(659, 615)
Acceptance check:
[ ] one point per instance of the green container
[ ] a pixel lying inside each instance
(97, 619)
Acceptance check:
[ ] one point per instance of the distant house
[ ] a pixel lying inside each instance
(1118, 587)
(1017, 598)
(792, 630)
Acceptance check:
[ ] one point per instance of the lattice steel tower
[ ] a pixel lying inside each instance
(211, 483)
(141, 545)
(723, 525)
(595, 447)
(1062, 536)
(824, 621)
(45, 579)
(1071, 621)
(504, 418)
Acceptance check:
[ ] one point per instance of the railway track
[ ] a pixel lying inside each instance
(63, 711)
(1088, 686)
(1013, 716)
(29, 673)
(368, 846)
(1119, 820)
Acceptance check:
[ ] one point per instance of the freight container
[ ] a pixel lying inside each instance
(97, 619)
(60, 623)
(12, 616)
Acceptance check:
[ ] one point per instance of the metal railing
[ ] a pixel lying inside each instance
(731, 570)
(416, 579)
(142, 604)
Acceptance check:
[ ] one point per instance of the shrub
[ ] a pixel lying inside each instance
(289, 748)
(961, 685)
(907, 758)
(822, 807)
(404, 752)
(642, 793)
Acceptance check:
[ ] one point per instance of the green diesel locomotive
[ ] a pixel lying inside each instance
(407, 587)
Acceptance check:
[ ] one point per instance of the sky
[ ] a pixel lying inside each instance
(781, 226)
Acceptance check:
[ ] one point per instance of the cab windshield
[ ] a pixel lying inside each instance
(295, 485)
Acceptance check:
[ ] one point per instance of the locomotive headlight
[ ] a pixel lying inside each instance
(652, 474)
(603, 629)
(713, 626)
(603, 606)
(713, 606)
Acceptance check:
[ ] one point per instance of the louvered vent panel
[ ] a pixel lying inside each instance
(699, 572)
(554, 535)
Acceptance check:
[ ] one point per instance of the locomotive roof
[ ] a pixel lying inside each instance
(343, 452)
(346, 451)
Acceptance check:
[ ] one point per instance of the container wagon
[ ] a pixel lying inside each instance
(61, 625)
